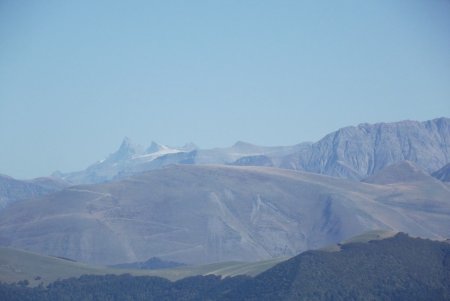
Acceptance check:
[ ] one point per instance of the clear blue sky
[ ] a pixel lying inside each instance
(78, 76)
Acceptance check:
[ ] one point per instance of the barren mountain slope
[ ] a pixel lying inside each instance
(203, 214)
(355, 152)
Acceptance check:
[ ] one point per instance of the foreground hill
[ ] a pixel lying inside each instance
(18, 265)
(395, 268)
(205, 214)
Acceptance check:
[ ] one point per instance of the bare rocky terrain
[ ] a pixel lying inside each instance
(353, 152)
(12, 190)
(356, 152)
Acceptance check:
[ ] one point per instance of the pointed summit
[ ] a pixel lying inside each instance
(126, 150)
(130, 146)
(126, 144)
(155, 147)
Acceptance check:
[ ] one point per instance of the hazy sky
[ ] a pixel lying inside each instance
(78, 76)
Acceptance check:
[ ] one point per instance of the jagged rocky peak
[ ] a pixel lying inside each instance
(403, 171)
(358, 151)
(441, 123)
(354, 152)
(155, 147)
(126, 150)
(126, 142)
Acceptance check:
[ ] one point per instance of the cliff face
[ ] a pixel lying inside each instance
(12, 190)
(357, 152)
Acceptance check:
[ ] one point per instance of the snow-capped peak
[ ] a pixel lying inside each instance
(126, 150)
(156, 147)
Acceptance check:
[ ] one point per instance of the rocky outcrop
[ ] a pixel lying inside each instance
(359, 151)
(12, 190)
(353, 152)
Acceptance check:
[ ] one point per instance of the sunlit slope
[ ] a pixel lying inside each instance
(206, 214)
(17, 265)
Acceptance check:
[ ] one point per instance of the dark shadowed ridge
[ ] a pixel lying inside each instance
(397, 268)
(153, 263)
(392, 269)
(443, 174)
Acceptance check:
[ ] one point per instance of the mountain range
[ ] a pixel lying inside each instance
(241, 210)
(198, 214)
(353, 152)
(357, 152)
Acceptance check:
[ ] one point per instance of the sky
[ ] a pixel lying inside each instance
(78, 76)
